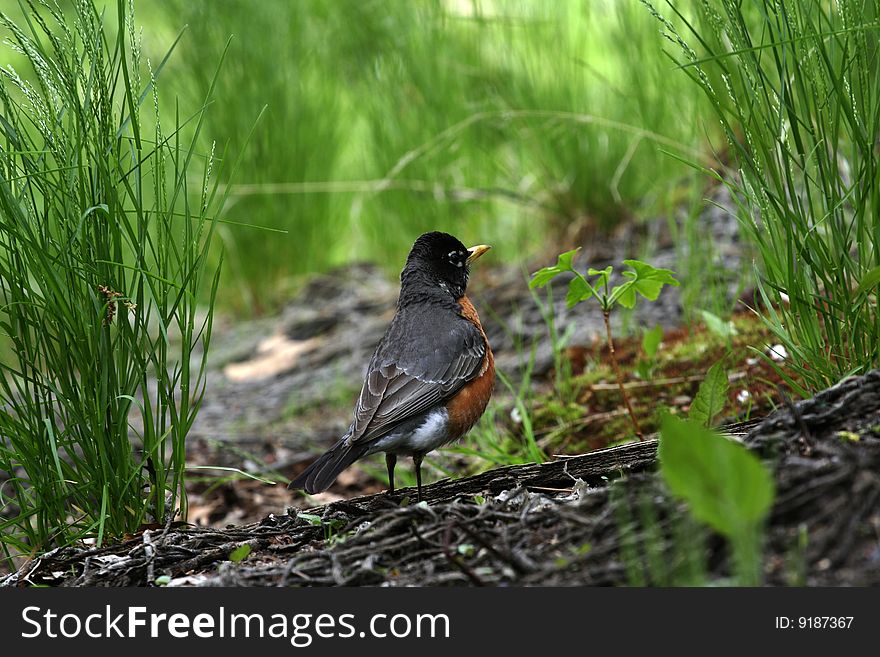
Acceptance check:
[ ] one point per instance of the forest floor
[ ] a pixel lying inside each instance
(281, 389)
(603, 518)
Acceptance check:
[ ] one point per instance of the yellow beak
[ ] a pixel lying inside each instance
(476, 251)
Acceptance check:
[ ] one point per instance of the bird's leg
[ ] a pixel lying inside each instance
(417, 463)
(390, 462)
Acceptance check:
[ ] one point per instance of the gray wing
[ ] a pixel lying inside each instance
(409, 374)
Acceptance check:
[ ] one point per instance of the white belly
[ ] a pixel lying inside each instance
(426, 437)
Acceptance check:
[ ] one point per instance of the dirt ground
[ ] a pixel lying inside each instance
(603, 518)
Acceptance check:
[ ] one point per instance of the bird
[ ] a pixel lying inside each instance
(431, 375)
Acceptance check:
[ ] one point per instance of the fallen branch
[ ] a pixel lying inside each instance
(593, 468)
(661, 383)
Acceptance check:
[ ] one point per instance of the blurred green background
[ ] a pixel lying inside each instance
(512, 123)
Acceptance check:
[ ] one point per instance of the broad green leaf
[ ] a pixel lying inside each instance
(563, 263)
(717, 326)
(651, 341)
(724, 484)
(578, 290)
(543, 276)
(624, 294)
(647, 280)
(711, 397)
(240, 553)
(310, 518)
(565, 260)
(869, 281)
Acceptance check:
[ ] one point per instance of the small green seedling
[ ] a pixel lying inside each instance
(642, 280)
(331, 527)
(310, 518)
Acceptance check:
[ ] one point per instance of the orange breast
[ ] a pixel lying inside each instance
(466, 407)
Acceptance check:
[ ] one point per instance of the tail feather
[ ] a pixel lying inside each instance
(323, 472)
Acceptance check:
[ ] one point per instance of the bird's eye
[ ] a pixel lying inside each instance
(455, 258)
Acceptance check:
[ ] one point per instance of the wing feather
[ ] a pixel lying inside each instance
(409, 374)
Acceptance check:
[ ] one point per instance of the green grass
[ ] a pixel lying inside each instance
(503, 123)
(796, 87)
(104, 237)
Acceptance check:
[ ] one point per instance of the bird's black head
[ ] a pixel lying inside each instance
(437, 266)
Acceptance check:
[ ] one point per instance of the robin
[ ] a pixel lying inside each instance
(431, 376)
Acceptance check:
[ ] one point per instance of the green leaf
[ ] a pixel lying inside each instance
(310, 518)
(869, 281)
(651, 341)
(563, 263)
(565, 260)
(578, 290)
(718, 326)
(647, 280)
(162, 580)
(724, 484)
(624, 294)
(240, 553)
(849, 435)
(711, 397)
